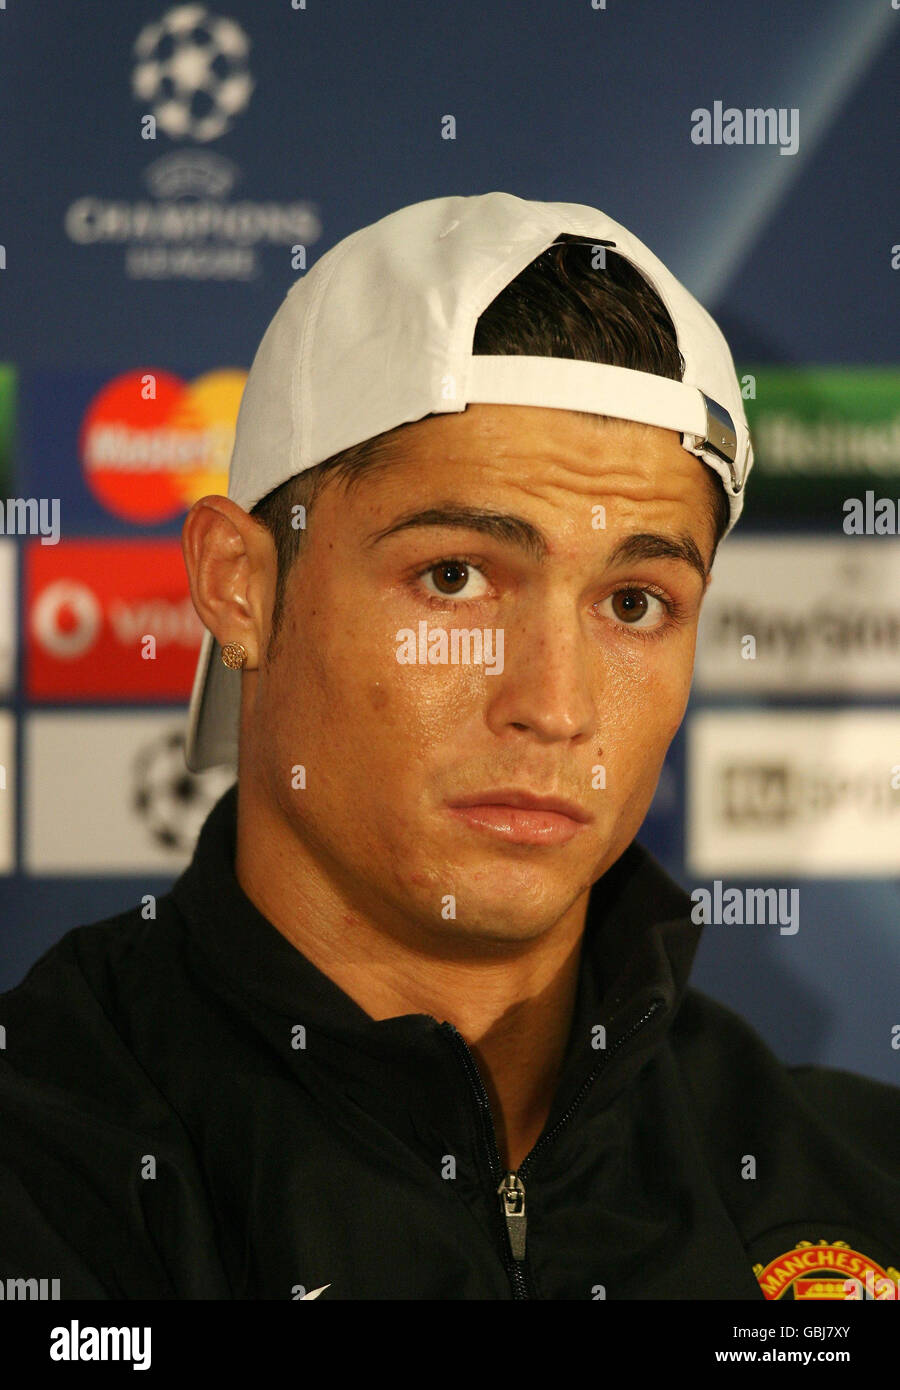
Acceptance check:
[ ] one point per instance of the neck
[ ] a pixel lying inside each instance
(512, 1001)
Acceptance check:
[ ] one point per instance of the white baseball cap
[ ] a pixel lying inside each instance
(379, 333)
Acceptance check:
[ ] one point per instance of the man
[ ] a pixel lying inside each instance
(415, 1022)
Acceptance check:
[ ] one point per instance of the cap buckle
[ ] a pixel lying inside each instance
(721, 438)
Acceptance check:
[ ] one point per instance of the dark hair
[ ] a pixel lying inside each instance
(560, 305)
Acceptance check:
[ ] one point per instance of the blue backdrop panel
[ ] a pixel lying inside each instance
(121, 250)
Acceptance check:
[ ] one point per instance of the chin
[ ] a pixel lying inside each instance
(492, 930)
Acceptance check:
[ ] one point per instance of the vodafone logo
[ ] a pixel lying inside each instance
(66, 618)
(150, 444)
(109, 619)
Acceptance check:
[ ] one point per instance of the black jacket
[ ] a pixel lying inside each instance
(190, 1109)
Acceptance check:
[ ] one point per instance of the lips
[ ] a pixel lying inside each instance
(524, 801)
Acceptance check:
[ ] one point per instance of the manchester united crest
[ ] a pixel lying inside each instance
(826, 1270)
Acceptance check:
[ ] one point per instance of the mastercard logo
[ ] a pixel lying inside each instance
(150, 444)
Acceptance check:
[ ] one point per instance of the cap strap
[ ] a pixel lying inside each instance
(566, 384)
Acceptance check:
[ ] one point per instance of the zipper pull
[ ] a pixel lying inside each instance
(512, 1197)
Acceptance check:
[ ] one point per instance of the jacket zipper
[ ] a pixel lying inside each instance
(511, 1187)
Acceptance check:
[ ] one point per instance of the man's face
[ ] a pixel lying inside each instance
(597, 657)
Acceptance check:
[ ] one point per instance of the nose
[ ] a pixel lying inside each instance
(549, 683)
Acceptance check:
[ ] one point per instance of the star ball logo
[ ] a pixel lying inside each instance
(191, 69)
(151, 444)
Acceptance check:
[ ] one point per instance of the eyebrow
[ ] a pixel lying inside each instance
(515, 530)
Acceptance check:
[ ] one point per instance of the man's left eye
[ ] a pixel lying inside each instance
(633, 606)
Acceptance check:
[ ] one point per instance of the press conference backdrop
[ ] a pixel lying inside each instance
(170, 170)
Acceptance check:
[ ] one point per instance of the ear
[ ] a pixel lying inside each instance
(231, 564)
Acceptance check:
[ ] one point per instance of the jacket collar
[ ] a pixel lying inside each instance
(637, 951)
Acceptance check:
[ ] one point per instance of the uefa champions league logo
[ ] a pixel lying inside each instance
(191, 80)
(191, 70)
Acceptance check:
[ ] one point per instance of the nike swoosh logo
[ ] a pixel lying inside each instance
(314, 1293)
